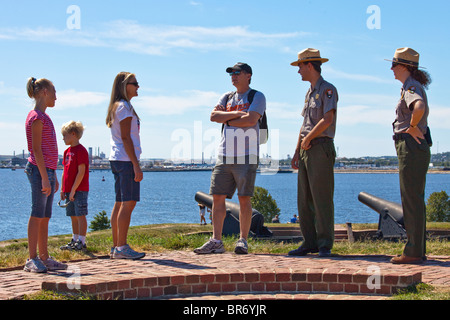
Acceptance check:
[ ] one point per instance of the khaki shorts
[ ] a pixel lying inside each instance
(226, 178)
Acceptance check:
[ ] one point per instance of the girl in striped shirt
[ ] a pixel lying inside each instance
(40, 170)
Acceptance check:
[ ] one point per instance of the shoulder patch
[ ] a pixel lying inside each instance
(329, 93)
(412, 90)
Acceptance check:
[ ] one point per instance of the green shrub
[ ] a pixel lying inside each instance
(265, 204)
(438, 207)
(100, 222)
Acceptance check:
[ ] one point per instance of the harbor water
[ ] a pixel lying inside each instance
(168, 197)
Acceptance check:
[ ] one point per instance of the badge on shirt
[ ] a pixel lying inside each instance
(317, 96)
(329, 93)
(412, 90)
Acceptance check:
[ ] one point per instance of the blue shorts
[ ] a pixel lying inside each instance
(126, 188)
(78, 207)
(41, 205)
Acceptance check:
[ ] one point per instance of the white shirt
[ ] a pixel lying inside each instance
(124, 110)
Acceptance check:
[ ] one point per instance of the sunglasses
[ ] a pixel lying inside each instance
(64, 205)
(394, 64)
(235, 73)
(136, 84)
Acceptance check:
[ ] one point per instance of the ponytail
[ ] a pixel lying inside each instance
(30, 87)
(422, 77)
(34, 86)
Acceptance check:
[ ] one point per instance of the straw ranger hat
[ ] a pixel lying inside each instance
(406, 56)
(307, 55)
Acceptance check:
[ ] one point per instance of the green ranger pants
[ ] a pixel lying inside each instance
(413, 163)
(315, 195)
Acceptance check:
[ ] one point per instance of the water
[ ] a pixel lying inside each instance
(168, 197)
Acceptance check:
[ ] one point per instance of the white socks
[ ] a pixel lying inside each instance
(76, 237)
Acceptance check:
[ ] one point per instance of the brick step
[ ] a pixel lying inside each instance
(197, 282)
(278, 296)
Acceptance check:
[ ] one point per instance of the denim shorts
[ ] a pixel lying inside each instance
(226, 178)
(41, 205)
(126, 188)
(78, 207)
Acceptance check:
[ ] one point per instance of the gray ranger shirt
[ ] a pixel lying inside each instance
(411, 92)
(319, 100)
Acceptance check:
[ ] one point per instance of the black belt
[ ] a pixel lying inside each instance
(320, 140)
(404, 136)
(400, 136)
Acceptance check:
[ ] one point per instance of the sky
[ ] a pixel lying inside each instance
(179, 50)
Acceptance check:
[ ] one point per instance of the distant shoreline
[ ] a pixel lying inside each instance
(281, 170)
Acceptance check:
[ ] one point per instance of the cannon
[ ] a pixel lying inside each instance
(231, 223)
(390, 223)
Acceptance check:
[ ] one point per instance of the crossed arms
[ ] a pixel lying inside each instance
(238, 119)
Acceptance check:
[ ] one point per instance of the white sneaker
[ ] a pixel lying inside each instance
(211, 246)
(54, 265)
(127, 253)
(241, 247)
(35, 265)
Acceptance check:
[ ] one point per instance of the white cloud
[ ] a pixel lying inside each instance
(439, 117)
(77, 99)
(131, 36)
(361, 114)
(187, 101)
(284, 111)
(331, 72)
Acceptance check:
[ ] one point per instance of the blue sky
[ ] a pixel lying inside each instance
(179, 50)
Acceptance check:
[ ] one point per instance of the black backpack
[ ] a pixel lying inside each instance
(263, 127)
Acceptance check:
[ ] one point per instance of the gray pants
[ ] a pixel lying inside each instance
(315, 195)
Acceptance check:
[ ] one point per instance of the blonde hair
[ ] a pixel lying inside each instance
(73, 127)
(119, 92)
(35, 86)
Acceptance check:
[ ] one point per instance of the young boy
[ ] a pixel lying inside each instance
(75, 183)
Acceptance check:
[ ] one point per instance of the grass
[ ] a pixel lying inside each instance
(166, 237)
(423, 291)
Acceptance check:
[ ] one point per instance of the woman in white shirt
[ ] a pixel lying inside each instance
(124, 123)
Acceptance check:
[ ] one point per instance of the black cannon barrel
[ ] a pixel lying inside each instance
(204, 199)
(231, 223)
(382, 206)
(207, 201)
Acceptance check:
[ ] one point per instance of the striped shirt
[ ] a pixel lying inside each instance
(49, 142)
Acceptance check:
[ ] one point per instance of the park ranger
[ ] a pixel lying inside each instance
(412, 142)
(314, 158)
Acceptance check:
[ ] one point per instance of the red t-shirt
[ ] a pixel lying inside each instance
(73, 157)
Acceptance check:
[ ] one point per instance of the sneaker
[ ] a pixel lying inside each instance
(211, 246)
(54, 265)
(35, 266)
(79, 246)
(68, 246)
(111, 252)
(127, 253)
(241, 247)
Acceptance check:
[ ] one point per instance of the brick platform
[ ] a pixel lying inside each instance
(185, 274)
